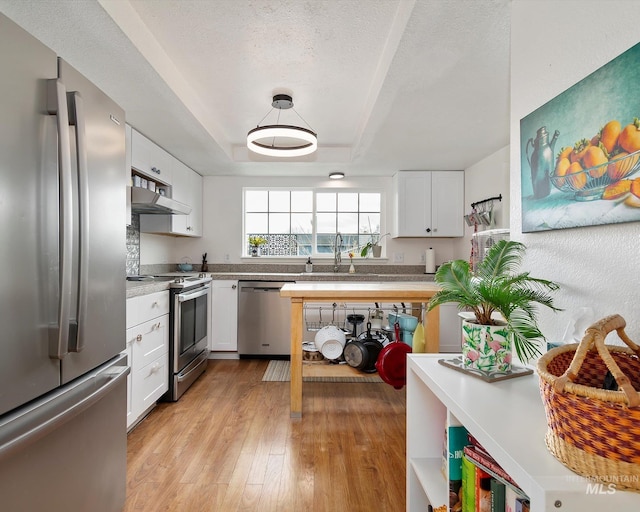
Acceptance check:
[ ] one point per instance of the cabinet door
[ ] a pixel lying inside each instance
(447, 203)
(194, 226)
(414, 203)
(150, 159)
(182, 193)
(224, 316)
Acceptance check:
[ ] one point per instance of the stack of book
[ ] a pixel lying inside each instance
(477, 483)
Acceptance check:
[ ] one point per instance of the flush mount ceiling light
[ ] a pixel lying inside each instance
(281, 140)
(337, 175)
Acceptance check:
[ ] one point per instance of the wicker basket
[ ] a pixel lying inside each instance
(594, 431)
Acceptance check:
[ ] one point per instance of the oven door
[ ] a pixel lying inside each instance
(191, 310)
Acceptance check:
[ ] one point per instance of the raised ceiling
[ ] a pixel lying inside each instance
(386, 84)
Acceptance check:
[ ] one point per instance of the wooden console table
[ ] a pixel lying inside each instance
(299, 293)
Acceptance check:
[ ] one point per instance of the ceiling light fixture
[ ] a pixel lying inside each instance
(282, 140)
(337, 175)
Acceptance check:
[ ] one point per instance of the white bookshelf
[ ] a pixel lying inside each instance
(508, 419)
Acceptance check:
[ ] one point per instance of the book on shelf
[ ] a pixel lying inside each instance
(522, 505)
(468, 485)
(498, 494)
(488, 464)
(483, 491)
(510, 497)
(457, 437)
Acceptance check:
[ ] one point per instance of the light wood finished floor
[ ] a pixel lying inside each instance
(229, 445)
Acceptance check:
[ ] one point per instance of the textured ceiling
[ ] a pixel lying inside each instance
(386, 84)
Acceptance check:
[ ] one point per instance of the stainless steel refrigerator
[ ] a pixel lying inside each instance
(62, 295)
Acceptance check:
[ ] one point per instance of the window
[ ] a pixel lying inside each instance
(285, 219)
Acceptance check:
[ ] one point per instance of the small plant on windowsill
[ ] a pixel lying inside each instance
(374, 245)
(255, 242)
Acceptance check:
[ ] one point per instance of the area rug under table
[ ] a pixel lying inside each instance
(280, 371)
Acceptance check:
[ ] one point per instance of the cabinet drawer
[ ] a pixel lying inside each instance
(150, 383)
(148, 341)
(147, 307)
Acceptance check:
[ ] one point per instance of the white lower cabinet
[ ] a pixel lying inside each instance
(508, 420)
(223, 334)
(148, 352)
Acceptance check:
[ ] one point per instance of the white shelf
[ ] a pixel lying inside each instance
(508, 419)
(429, 473)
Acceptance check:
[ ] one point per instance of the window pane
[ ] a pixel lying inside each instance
(279, 201)
(369, 202)
(255, 223)
(326, 223)
(279, 223)
(302, 223)
(369, 223)
(326, 202)
(324, 243)
(348, 223)
(347, 202)
(255, 201)
(301, 201)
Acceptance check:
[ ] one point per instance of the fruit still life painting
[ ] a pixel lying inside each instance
(580, 152)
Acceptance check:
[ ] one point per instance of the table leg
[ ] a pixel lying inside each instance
(296, 358)
(432, 345)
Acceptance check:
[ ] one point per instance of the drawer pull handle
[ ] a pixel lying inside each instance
(155, 368)
(154, 304)
(139, 337)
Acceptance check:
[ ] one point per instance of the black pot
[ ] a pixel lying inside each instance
(363, 354)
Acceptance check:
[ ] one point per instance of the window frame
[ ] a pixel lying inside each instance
(314, 190)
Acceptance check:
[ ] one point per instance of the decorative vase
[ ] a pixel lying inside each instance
(376, 250)
(486, 347)
(352, 269)
(255, 251)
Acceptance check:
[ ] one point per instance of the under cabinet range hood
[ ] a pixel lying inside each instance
(148, 202)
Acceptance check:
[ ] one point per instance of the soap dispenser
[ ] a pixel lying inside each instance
(308, 267)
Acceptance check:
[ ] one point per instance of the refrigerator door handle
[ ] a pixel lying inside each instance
(57, 105)
(77, 118)
(46, 415)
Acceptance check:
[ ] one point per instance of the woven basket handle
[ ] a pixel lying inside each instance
(594, 336)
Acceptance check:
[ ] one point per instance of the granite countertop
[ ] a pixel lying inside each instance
(137, 288)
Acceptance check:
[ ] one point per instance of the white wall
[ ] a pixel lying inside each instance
(222, 220)
(485, 179)
(554, 45)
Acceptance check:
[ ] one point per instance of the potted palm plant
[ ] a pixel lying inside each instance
(495, 287)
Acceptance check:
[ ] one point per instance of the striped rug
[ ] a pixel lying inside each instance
(279, 371)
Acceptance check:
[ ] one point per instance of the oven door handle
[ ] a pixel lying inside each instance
(183, 297)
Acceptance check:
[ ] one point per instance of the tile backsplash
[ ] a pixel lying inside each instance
(133, 246)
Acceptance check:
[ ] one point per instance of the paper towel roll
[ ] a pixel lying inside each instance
(430, 258)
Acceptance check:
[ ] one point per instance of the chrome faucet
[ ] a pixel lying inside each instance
(337, 248)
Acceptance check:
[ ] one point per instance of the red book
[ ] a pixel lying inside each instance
(483, 491)
(488, 464)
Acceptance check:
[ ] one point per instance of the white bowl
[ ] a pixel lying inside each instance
(330, 341)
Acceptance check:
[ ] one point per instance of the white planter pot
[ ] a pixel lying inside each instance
(376, 251)
(485, 347)
(255, 251)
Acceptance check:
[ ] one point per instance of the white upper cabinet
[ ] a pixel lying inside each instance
(150, 159)
(429, 203)
(187, 189)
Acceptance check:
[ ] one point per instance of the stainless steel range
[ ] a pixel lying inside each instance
(188, 334)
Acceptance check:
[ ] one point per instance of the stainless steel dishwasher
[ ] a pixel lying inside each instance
(264, 320)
